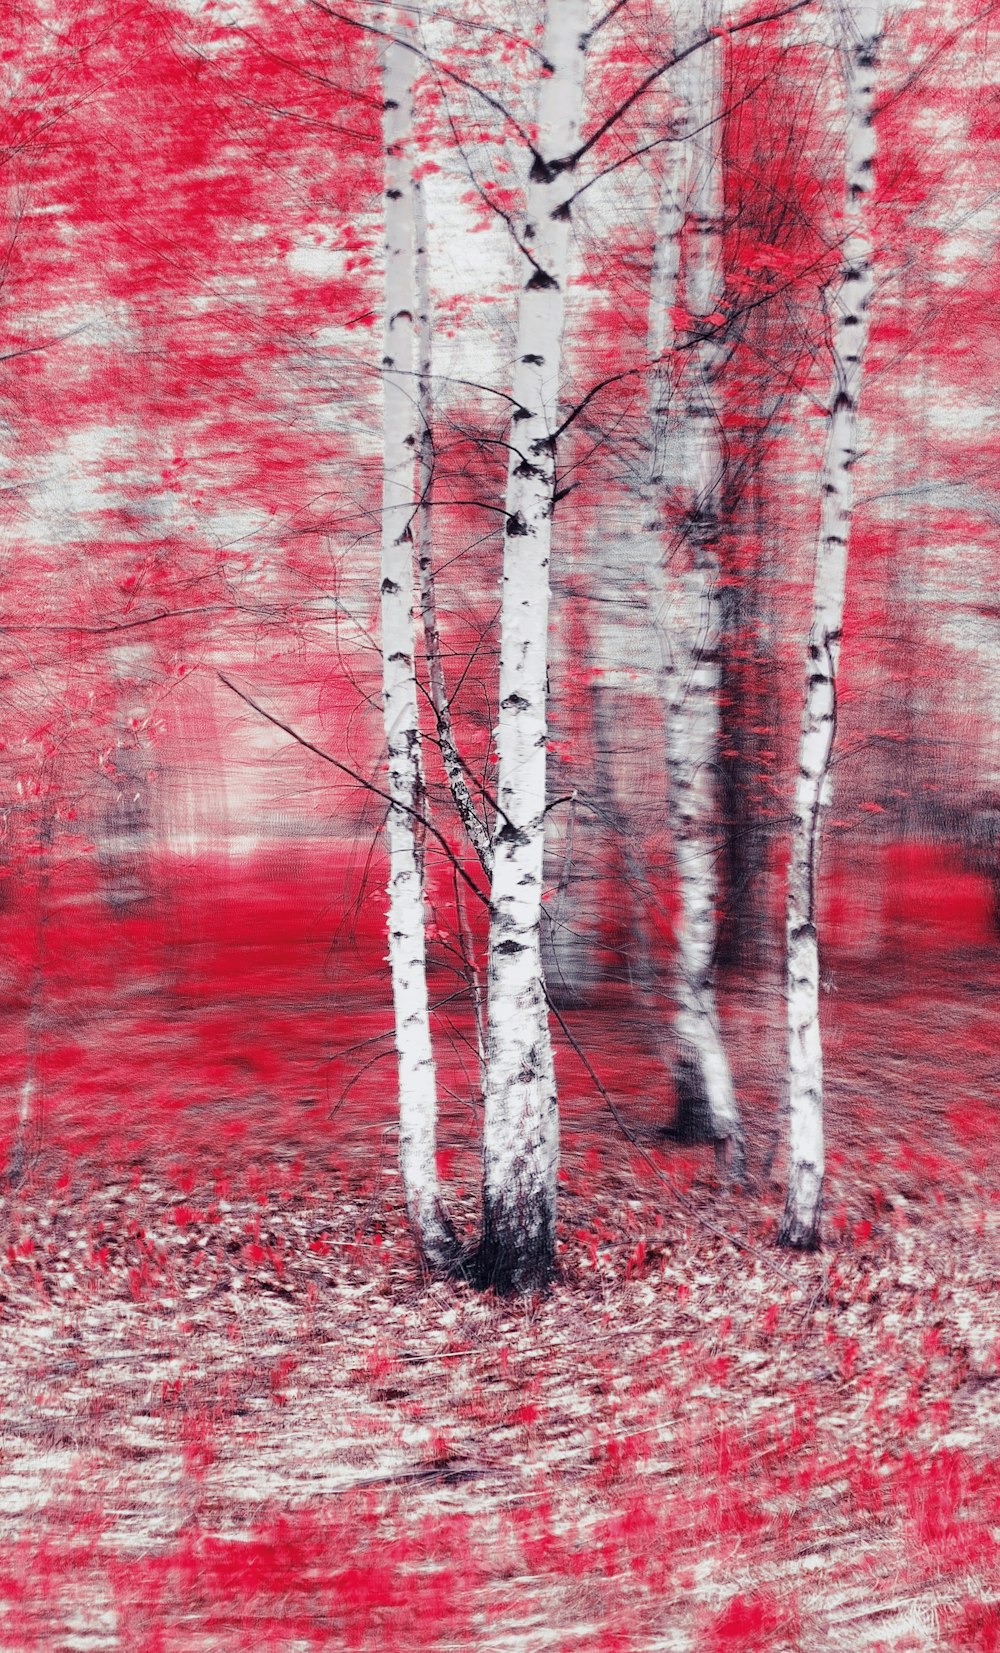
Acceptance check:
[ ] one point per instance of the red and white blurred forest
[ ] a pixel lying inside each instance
(243, 1401)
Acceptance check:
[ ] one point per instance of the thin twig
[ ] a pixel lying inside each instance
(369, 786)
(630, 1136)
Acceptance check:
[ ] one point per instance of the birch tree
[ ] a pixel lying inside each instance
(401, 441)
(521, 1128)
(437, 688)
(859, 28)
(475, 828)
(686, 458)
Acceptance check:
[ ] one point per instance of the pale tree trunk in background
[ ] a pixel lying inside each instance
(641, 898)
(662, 467)
(687, 453)
(521, 1129)
(27, 1138)
(859, 26)
(125, 834)
(401, 432)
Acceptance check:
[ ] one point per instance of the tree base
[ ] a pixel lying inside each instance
(438, 1245)
(692, 1124)
(513, 1258)
(19, 1165)
(731, 1159)
(798, 1235)
(800, 1224)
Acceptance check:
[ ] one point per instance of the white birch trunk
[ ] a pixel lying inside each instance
(662, 473)
(407, 938)
(437, 688)
(859, 26)
(686, 450)
(125, 828)
(521, 1127)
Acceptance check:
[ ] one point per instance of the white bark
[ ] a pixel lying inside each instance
(125, 829)
(686, 450)
(437, 686)
(663, 287)
(521, 1131)
(859, 26)
(407, 939)
(454, 770)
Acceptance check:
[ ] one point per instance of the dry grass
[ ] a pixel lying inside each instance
(234, 1417)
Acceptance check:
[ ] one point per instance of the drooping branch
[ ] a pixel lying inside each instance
(421, 819)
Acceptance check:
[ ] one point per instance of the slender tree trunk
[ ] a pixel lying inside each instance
(662, 472)
(407, 938)
(437, 688)
(521, 1127)
(125, 831)
(687, 452)
(626, 851)
(27, 1138)
(467, 952)
(860, 26)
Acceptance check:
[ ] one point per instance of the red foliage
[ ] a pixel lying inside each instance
(753, 1624)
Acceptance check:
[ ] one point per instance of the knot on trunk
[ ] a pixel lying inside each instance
(540, 281)
(510, 834)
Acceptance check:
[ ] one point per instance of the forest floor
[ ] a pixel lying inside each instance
(233, 1415)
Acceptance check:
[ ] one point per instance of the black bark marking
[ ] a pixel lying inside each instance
(692, 1123)
(516, 1253)
(795, 1234)
(510, 834)
(540, 281)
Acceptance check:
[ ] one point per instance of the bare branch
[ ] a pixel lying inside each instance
(701, 40)
(369, 786)
(440, 68)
